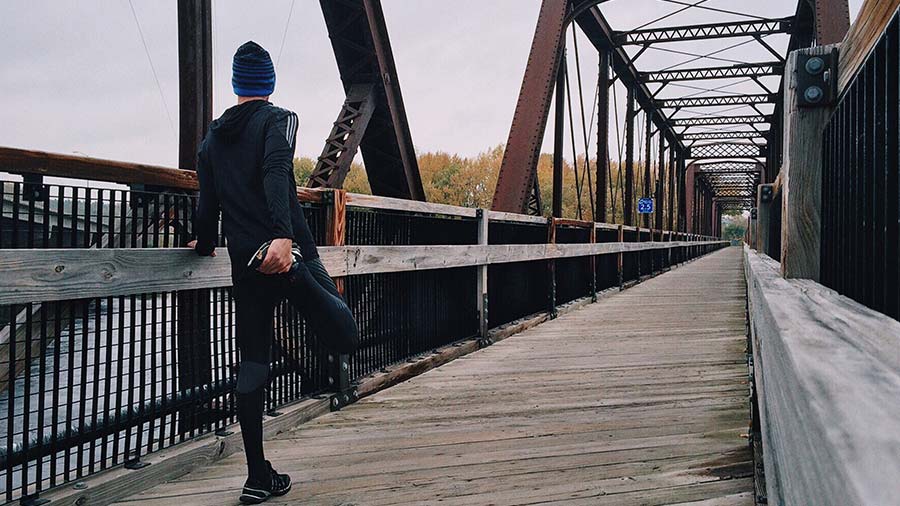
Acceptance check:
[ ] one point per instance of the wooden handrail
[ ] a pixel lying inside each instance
(37, 275)
(22, 161)
(872, 21)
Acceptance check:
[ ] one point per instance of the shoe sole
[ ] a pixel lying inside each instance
(249, 499)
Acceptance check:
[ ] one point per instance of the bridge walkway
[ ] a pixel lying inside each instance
(639, 399)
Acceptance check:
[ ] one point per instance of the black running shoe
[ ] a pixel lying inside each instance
(257, 491)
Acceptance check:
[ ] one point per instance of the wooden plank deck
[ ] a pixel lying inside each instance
(639, 399)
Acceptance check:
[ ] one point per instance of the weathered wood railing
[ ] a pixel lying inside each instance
(116, 343)
(827, 374)
(823, 316)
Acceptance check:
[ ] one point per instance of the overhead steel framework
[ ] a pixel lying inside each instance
(705, 32)
(675, 125)
(722, 120)
(740, 70)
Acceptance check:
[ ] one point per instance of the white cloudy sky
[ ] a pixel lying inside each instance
(75, 78)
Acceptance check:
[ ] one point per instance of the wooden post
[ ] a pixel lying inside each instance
(620, 260)
(336, 224)
(482, 279)
(763, 216)
(801, 176)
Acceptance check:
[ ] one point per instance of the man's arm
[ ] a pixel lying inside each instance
(278, 172)
(278, 185)
(206, 216)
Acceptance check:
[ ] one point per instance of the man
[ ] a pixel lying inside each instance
(245, 168)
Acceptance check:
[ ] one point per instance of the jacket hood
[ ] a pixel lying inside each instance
(235, 118)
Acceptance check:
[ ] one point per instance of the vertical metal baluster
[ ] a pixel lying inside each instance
(83, 378)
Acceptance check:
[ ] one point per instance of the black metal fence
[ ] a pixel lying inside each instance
(860, 194)
(87, 384)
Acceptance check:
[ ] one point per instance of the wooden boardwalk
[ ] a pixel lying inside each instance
(639, 399)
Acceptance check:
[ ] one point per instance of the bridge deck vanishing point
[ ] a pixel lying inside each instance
(638, 399)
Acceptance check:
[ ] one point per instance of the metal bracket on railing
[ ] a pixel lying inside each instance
(135, 464)
(339, 381)
(34, 189)
(817, 79)
(33, 500)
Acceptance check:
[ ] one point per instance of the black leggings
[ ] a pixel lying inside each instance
(256, 295)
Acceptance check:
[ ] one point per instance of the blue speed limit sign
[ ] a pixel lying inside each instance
(645, 205)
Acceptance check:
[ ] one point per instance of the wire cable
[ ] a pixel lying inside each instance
(162, 96)
(287, 24)
(669, 15)
(714, 9)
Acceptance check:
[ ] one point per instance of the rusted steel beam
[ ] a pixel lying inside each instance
(832, 21)
(363, 52)
(345, 137)
(670, 103)
(705, 31)
(602, 36)
(749, 119)
(523, 146)
(628, 200)
(192, 332)
(194, 78)
(559, 139)
(602, 135)
(726, 72)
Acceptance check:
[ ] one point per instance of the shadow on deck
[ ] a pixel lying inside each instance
(640, 398)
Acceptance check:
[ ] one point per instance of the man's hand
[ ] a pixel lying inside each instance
(193, 245)
(278, 258)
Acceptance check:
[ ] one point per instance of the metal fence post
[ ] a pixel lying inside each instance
(551, 269)
(481, 280)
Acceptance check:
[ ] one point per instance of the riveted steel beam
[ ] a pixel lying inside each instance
(754, 70)
(710, 136)
(705, 31)
(670, 103)
(721, 120)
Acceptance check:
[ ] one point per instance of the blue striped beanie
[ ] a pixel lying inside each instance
(252, 72)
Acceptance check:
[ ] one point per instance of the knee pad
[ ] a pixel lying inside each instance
(252, 376)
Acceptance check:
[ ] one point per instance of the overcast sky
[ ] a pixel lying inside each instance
(75, 77)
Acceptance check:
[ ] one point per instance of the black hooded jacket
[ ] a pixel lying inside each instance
(246, 170)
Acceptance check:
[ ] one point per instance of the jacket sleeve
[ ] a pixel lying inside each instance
(206, 216)
(278, 172)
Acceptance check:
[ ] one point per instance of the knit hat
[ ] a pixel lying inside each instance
(252, 72)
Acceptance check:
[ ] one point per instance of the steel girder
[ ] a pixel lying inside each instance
(741, 70)
(725, 150)
(721, 120)
(757, 99)
(518, 168)
(728, 166)
(602, 36)
(363, 52)
(704, 32)
(715, 136)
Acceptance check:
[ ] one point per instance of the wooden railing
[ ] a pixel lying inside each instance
(419, 276)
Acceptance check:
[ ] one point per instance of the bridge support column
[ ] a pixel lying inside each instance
(801, 176)
(192, 331)
(628, 200)
(602, 136)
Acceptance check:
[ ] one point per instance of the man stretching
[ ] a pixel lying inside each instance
(245, 169)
